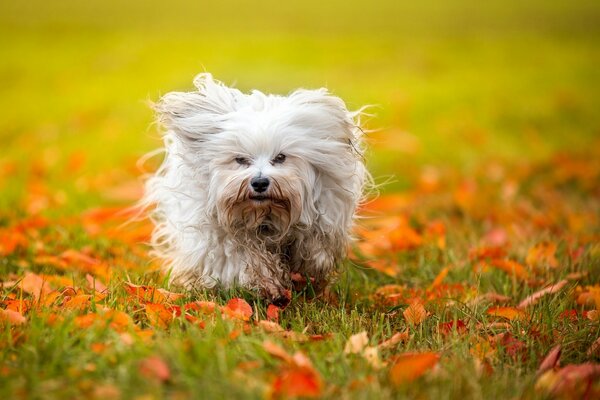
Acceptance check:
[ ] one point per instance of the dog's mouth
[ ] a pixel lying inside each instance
(260, 198)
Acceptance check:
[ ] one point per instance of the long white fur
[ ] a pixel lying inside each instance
(207, 230)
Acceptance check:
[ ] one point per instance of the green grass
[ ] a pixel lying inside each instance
(489, 93)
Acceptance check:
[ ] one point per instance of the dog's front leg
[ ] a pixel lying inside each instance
(265, 273)
(315, 258)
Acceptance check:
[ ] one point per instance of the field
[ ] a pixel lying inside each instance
(476, 273)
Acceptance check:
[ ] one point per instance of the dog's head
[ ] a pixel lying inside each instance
(268, 162)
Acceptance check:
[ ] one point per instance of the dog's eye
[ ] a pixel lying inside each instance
(242, 160)
(280, 158)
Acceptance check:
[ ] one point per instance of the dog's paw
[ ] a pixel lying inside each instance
(277, 295)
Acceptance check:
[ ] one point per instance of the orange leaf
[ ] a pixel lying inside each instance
(270, 326)
(34, 285)
(509, 313)
(410, 366)
(439, 278)
(159, 315)
(296, 382)
(542, 254)
(511, 268)
(13, 317)
(155, 368)
(206, 307)
(273, 312)
(276, 351)
(19, 305)
(78, 302)
(394, 340)
(415, 313)
(530, 300)
(10, 240)
(151, 294)
(238, 308)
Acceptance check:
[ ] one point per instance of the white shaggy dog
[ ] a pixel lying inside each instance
(255, 187)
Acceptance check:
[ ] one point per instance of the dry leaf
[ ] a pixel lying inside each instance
(34, 285)
(410, 366)
(415, 313)
(530, 300)
(394, 340)
(356, 343)
(551, 361)
(511, 268)
(509, 313)
(13, 317)
(238, 308)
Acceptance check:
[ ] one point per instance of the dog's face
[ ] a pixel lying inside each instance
(266, 162)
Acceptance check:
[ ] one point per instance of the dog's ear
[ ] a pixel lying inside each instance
(329, 113)
(193, 115)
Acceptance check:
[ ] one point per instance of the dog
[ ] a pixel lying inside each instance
(255, 188)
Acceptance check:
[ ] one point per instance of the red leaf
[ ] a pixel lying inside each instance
(297, 382)
(551, 361)
(273, 312)
(238, 308)
(448, 327)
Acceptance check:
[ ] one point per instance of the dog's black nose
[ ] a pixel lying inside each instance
(259, 184)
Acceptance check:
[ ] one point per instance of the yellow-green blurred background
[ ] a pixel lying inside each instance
(454, 83)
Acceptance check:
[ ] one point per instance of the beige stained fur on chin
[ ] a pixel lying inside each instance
(255, 187)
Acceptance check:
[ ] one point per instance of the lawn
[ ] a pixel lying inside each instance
(475, 275)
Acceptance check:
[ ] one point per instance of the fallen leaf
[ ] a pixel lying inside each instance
(159, 315)
(458, 325)
(151, 294)
(572, 381)
(34, 285)
(371, 354)
(238, 308)
(356, 343)
(532, 299)
(13, 317)
(78, 302)
(276, 351)
(551, 361)
(206, 307)
(542, 255)
(509, 313)
(415, 313)
(96, 284)
(394, 340)
(410, 366)
(439, 278)
(594, 349)
(511, 268)
(270, 326)
(273, 312)
(296, 382)
(513, 347)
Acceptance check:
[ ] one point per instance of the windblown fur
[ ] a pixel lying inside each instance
(212, 228)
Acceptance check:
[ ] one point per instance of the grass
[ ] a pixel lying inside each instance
(486, 124)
